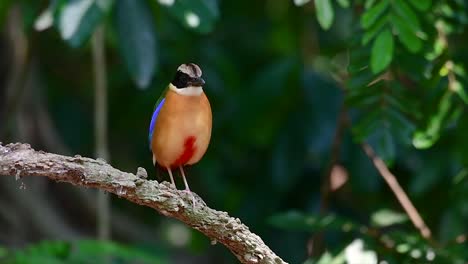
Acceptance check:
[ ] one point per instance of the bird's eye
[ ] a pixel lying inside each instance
(185, 80)
(181, 80)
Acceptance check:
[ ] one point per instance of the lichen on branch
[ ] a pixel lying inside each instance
(20, 160)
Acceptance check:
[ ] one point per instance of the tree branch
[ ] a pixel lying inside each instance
(21, 160)
(400, 194)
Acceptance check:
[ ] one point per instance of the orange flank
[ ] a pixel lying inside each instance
(189, 150)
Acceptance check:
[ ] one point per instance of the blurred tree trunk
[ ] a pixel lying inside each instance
(100, 126)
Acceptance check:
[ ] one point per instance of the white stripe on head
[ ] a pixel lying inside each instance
(191, 69)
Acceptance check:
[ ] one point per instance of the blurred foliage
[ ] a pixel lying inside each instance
(83, 251)
(279, 76)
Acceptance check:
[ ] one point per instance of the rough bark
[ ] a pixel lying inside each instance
(19, 160)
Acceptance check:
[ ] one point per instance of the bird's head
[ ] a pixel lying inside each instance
(188, 75)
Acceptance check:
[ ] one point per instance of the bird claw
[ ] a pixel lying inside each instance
(193, 197)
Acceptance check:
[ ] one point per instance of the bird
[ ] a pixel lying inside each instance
(181, 123)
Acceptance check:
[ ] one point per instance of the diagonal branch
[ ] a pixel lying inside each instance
(21, 160)
(400, 194)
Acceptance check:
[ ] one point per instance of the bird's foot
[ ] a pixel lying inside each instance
(193, 197)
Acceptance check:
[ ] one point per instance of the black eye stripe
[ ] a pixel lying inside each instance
(181, 79)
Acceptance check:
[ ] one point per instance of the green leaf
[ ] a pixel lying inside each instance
(32, 259)
(382, 51)
(78, 19)
(459, 70)
(421, 140)
(137, 39)
(406, 35)
(385, 145)
(451, 225)
(294, 220)
(374, 29)
(84, 251)
(386, 217)
(197, 15)
(3, 252)
(426, 177)
(403, 127)
(367, 125)
(4, 7)
(343, 3)
(301, 2)
(45, 19)
(457, 87)
(460, 177)
(44, 252)
(359, 65)
(93, 248)
(425, 139)
(436, 121)
(328, 258)
(325, 13)
(370, 16)
(394, 102)
(364, 98)
(105, 5)
(407, 14)
(369, 3)
(421, 5)
(439, 46)
(361, 79)
(325, 258)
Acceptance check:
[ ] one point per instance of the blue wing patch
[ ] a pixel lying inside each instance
(153, 119)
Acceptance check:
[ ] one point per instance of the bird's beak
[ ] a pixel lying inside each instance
(197, 81)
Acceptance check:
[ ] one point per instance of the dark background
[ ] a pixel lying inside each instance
(292, 96)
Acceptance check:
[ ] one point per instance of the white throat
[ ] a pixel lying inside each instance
(187, 91)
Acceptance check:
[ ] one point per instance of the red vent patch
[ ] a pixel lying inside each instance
(189, 150)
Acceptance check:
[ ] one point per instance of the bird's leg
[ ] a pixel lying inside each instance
(185, 180)
(172, 178)
(187, 189)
